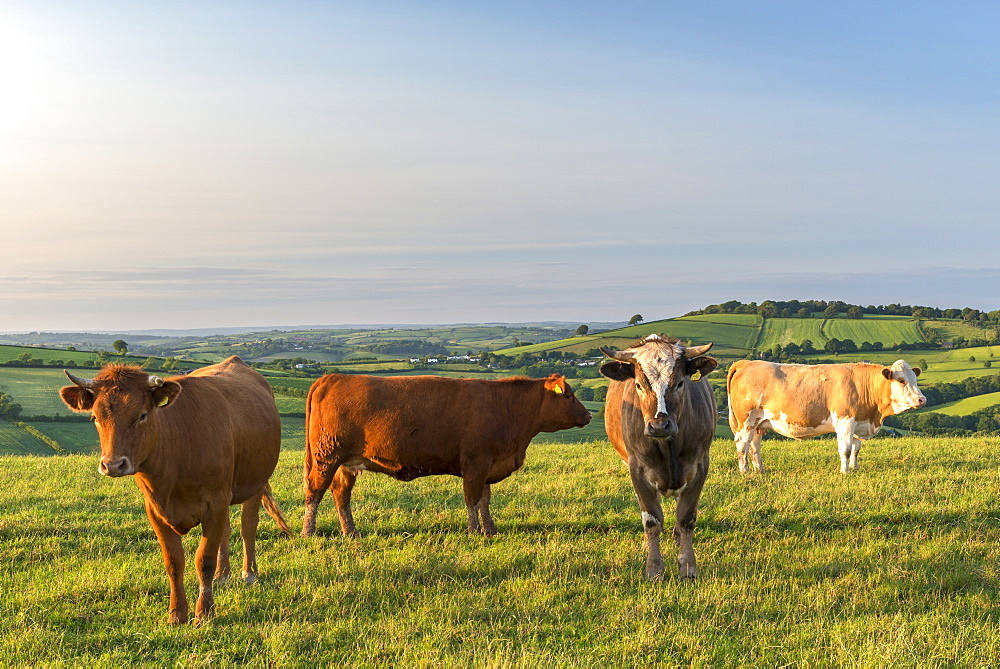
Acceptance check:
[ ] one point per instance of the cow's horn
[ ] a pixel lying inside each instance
(83, 383)
(624, 356)
(155, 382)
(695, 351)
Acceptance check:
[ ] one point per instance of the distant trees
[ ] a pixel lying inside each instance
(582, 330)
(121, 348)
(8, 407)
(635, 319)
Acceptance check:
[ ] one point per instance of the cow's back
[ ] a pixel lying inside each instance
(228, 409)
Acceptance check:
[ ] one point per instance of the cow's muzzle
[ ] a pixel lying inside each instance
(661, 426)
(116, 466)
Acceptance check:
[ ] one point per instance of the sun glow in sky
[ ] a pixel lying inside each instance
(214, 164)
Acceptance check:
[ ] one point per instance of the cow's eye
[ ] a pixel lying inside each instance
(638, 386)
(142, 417)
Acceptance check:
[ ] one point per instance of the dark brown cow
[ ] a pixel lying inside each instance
(413, 426)
(661, 422)
(196, 444)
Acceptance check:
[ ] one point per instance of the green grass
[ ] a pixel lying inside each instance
(892, 566)
(889, 331)
(784, 331)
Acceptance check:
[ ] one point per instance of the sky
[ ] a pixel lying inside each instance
(231, 164)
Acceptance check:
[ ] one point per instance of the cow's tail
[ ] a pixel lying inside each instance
(733, 423)
(310, 458)
(271, 506)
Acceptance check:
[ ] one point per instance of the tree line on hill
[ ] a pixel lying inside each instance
(832, 309)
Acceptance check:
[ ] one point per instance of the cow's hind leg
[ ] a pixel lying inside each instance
(652, 522)
(341, 488)
(855, 448)
(755, 450)
(318, 477)
(249, 520)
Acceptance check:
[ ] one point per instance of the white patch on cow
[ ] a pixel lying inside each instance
(648, 518)
(779, 422)
(866, 430)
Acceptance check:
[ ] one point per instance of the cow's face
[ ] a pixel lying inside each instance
(903, 386)
(123, 402)
(560, 408)
(661, 370)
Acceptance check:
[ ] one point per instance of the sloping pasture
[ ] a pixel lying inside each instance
(895, 565)
(964, 407)
(15, 441)
(36, 389)
(785, 331)
(890, 331)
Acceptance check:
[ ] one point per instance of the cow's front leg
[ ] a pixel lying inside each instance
(214, 524)
(173, 559)
(845, 441)
(687, 516)
(222, 564)
(652, 520)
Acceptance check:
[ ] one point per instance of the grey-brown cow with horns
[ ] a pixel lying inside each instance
(661, 421)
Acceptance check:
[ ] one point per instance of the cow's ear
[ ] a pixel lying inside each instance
(167, 393)
(617, 370)
(916, 371)
(703, 365)
(77, 398)
(887, 373)
(556, 384)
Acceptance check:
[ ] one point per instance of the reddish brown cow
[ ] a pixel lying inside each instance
(413, 426)
(196, 444)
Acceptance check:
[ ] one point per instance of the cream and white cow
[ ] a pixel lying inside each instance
(801, 401)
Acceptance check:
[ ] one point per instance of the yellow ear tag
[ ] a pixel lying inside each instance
(163, 402)
(558, 390)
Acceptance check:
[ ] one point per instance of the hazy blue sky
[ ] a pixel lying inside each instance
(172, 164)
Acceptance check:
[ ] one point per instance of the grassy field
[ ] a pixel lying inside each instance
(965, 407)
(784, 331)
(896, 565)
(889, 331)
